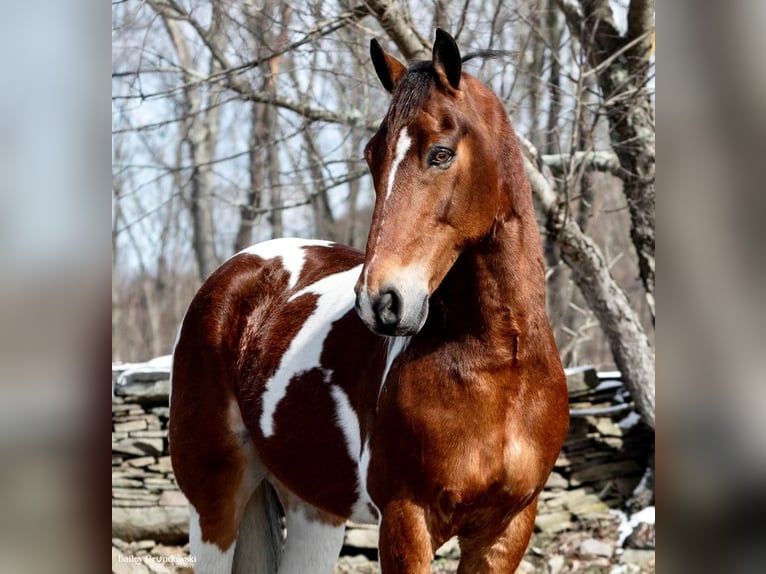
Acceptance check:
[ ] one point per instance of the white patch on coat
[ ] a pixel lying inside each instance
(311, 545)
(396, 346)
(360, 512)
(208, 557)
(336, 298)
(348, 421)
(290, 250)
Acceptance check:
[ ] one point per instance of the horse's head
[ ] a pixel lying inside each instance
(434, 167)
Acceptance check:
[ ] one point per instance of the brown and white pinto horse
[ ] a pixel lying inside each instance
(446, 426)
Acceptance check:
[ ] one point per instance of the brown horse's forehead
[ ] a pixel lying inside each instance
(437, 118)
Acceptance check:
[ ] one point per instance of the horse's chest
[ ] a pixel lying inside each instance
(461, 449)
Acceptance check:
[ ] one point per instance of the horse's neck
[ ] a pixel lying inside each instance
(495, 292)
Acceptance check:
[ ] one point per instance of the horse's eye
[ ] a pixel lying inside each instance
(440, 156)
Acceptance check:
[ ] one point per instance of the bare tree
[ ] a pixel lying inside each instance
(266, 105)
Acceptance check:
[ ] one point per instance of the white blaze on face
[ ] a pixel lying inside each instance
(402, 147)
(403, 144)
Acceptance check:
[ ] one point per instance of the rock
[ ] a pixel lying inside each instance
(141, 461)
(127, 564)
(607, 427)
(638, 557)
(162, 550)
(602, 471)
(122, 502)
(173, 498)
(126, 483)
(139, 446)
(137, 425)
(588, 504)
(149, 434)
(642, 537)
(556, 564)
(526, 567)
(582, 380)
(163, 465)
(593, 547)
(159, 484)
(356, 565)
(136, 494)
(450, 549)
(553, 522)
(361, 537)
(156, 566)
(166, 524)
(145, 392)
(555, 480)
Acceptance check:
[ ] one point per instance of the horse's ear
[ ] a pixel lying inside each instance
(389, 69)
(446, 59)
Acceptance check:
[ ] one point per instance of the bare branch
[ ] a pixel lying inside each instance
(403, 34)
(561, 164)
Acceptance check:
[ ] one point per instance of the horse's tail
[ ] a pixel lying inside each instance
(260, 539)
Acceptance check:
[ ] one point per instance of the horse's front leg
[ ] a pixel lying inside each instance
(498, 554)
(405, 545)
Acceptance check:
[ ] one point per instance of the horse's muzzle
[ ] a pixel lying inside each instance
(390, 312)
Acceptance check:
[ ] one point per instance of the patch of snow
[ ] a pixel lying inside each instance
(628, 525)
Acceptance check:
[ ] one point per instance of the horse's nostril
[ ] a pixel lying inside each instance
(388, 308)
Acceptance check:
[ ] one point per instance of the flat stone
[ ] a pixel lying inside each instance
(133, 494)
(589, 504)
(603, 471)
(141, 461)
(156, 566)
(637, 556)
(555, 480)
(149, 434)
(556, 564)
(526, 567)
(165, 524)
(553, 522)
(593, 547)
(126, 502)
(126, 483)
(163, 550)
(139, 446)
(163, 465)
(136, 425)
(127, 564)
(173, 498)
(145, 392)
(607, 427)
(158, 484)
(361, 538)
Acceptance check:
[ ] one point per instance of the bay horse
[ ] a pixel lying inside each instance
(416, 385)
